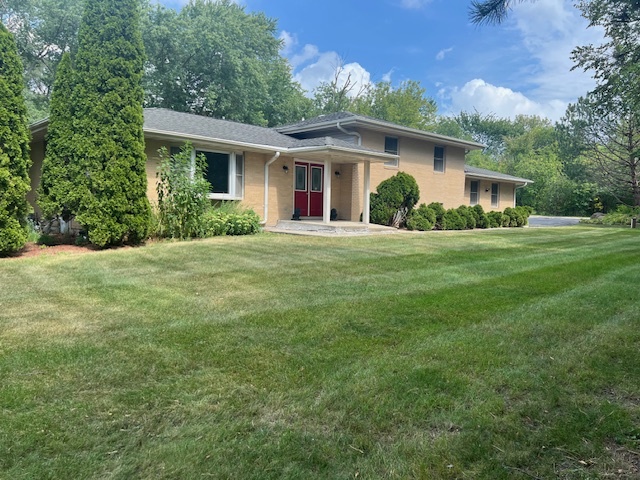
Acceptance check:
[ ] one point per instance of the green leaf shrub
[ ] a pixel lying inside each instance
(57, 193)
(496, 219)
(439, 210)
(482, 220)
(451, 220)
(399, 193)
(218, 222)
(14, 149)
(518, 216)
(621, 216)
(107, 120)
(469, 217)
(182, 195)
(422, 218)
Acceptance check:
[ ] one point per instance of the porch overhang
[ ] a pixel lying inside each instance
(340, 154)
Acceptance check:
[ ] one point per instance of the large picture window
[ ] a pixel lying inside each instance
(225, 173)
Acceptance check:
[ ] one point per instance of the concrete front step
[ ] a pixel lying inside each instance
(336, 227)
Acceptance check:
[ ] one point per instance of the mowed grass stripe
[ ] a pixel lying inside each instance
(425, 356)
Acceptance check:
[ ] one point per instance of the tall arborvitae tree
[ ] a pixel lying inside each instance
(109, 142)
(57, 196)
(14, 149)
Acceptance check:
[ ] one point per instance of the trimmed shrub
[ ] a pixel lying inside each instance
(482, 220)
(518, 216)
(422, 218)
(495, 219)
(439, 210)
(467, 214)
(621, 216)
(395, 197)
(221, 222)
(14, 149)
(451, 220)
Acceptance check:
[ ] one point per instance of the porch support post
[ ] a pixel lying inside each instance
(326, 196)
(366, 192)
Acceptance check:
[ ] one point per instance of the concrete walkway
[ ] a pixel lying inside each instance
(547, 221)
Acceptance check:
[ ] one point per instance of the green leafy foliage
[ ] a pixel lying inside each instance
(57, 195)
(223, 222)
(422, 218)
(468, 215)
(182, 195)
(482, 220)
(396, 194)
(452, 220)
(439, 211)
(621, 216)
(109, 142)
(14, 149)
(243, 78)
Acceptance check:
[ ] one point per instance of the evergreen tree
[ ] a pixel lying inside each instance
(108, 121)
(14, 148)
(57, 196)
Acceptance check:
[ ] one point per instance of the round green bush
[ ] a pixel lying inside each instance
(494, 219)
(467, 214)
(393, 194)
(451, 220)
(422, 219)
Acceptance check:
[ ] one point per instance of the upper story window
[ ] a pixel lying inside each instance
(391, 146)
(225, 173)
(438, 159)
(473, 192)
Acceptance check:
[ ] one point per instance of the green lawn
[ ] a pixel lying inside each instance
(507, 354)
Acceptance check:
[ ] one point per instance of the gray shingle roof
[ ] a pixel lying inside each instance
(329, 121)
(189, 124)
(163, 120)
(483, 172)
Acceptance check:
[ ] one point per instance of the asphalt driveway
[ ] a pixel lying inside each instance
(547, 221)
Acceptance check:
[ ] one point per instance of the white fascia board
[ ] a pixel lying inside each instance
(202, 139)
(522, 181)
(381, 157)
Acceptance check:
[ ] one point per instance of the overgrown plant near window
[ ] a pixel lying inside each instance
(182, 195)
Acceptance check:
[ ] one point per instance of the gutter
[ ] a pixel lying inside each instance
(265, 216)
(353, 134)
(514, 192)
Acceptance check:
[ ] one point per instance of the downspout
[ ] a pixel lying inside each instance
(353, 134)
(514, 192)
(266, 187)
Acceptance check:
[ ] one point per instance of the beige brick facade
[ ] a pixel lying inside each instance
(416, 157)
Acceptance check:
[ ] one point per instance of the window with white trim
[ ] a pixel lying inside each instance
(473, 192)
(438, 159)
(495, 194)
(391, 146)
(225, 173)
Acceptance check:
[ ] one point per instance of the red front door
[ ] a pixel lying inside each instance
(309, 188)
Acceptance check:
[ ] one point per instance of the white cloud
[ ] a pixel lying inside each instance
(503, 102)
(549, 30)
(309, 52)
(443, 53)
(387, 76)
(289, 41)
(325, 68)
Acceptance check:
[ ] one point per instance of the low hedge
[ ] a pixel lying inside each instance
(434, 215)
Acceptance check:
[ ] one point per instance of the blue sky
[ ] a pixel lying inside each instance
(522, 66)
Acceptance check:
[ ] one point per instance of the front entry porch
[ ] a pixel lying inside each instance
(336, 227)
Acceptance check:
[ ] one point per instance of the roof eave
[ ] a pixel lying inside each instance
(331, 149)
(516, 180)
(200, 138)
(385, 127)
